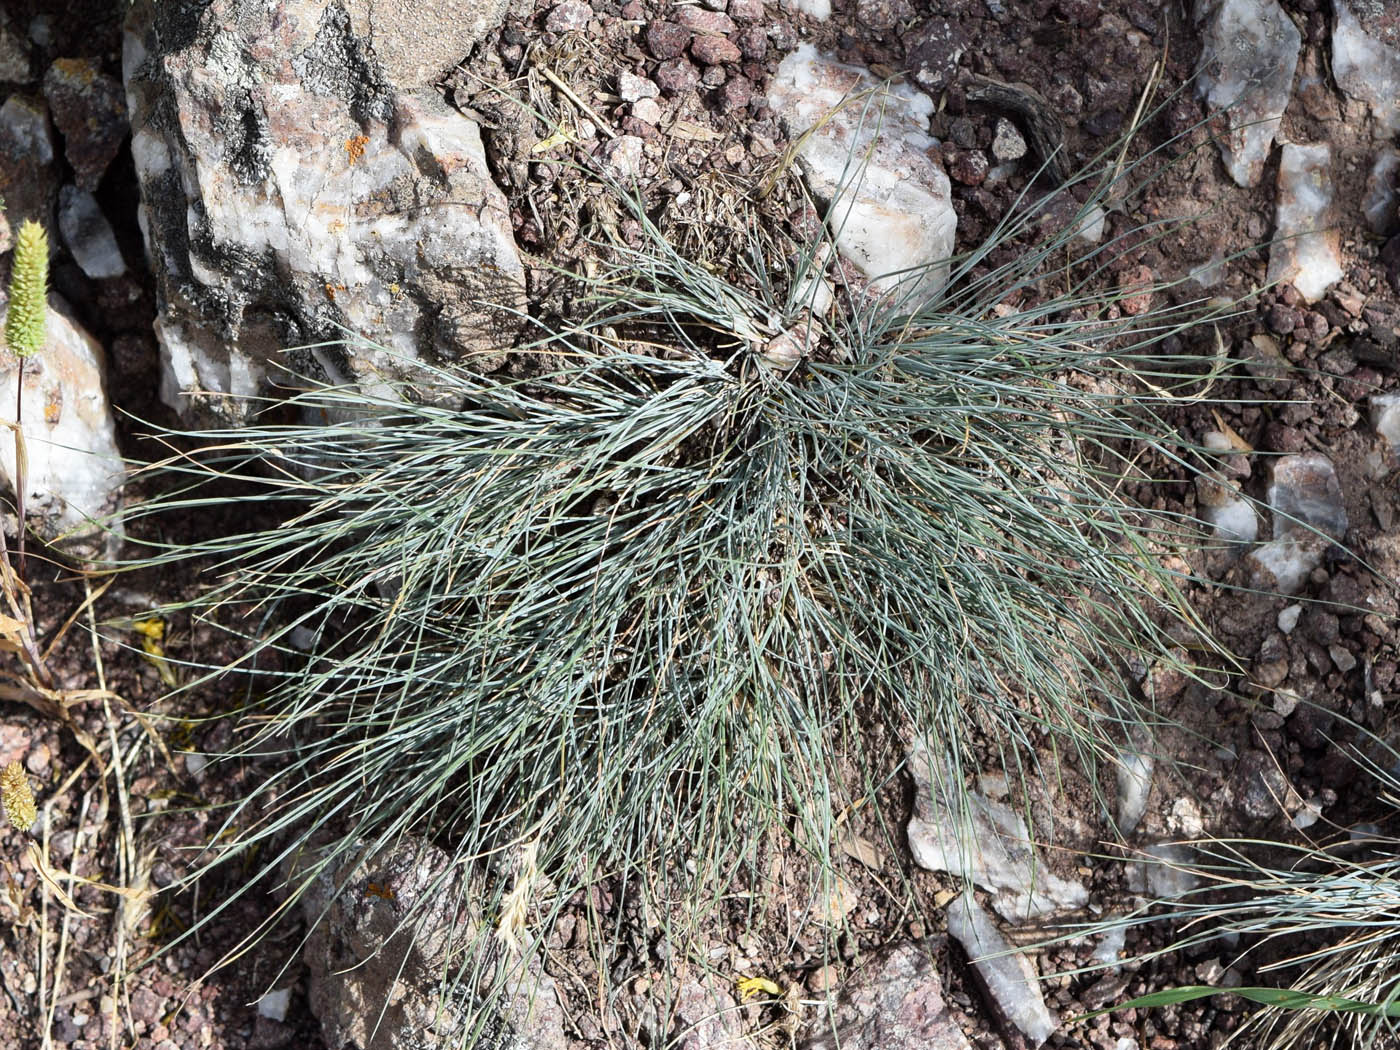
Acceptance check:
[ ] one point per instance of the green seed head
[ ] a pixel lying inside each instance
(24, 322)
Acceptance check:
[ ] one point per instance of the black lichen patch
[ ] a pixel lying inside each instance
(338, 65)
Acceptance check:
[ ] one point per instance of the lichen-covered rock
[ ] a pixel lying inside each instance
(28, 174)
(1248, 56)
(73, 469)
(894, 1002)
(384, 933)
(1306, 252)
(292, 189)
(416, 41)
(89, 108)
(864, 152)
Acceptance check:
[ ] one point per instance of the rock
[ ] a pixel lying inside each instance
(889, 204)
(623, 156)
(1010, 977)
(1306, 252)
(90, 110)
(699, 20)
(1385, 419)
(1306, 498)
(933, 49)
(632, 88)
(261, 237)
(413, 42)
(706, 1016)
(1008, 144)
(1283, 566)
(14, 55)
(1161, 874)
(1134, 787)
(28, 174)
(968, 166)
(1288, 618)
(1366, 68)
(819, 10)
(676, 76)
(1225, 510)
(73, 468)
(88, 235)
(273, 1005)
(666, 39)
(983, 842)
(735, 94)
(570, 16)
(647, 110)
(386, 949)
(745, 10)
(1380, 201)
(1249, 53)
(714, 50)
(894, 1001)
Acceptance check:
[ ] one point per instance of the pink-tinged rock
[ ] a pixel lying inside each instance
(1306, 252)
(666, 40)
(745, 10)
(568, 17)
(699, 20)
(677, 76)
(714, 50)
(894, 1000)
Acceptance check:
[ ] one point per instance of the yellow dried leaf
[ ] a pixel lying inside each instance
(18, 799)
(152, 631)
(751, 986)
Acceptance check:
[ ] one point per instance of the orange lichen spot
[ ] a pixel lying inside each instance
(355, 146)
(53, 407)
(336, 226)
(382, 892)
(330, 291)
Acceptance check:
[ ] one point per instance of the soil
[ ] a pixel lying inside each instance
(714, 144)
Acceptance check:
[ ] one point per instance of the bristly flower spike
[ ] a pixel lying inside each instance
(29, 279)
(17, 797)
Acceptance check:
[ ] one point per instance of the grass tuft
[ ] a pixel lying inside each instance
(639, 604)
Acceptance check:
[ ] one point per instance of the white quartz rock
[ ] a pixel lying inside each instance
(292, 191)
(816, 9)
(1225, 510)
(1366, 68)
(1306, 497)
(73, 468)
(1379, 204)
(864, 153)
(1010, 977)
(1249, 53)
(983, 842)
(1306, 252)
(1385, 418)
(88, 234)
(1163, 873)
(1283, 566)
(1134, 786)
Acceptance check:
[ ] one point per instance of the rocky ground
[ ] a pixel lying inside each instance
(145, 154)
